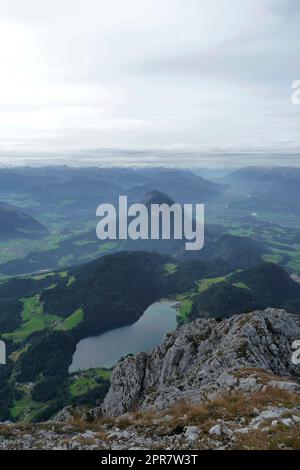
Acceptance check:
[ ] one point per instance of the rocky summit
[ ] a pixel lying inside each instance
(211, 384)
(205, 358)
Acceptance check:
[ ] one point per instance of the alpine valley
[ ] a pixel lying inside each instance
(223, 370)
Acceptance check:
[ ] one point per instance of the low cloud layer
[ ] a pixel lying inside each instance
(157, 76)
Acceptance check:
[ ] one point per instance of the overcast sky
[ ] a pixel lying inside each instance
(200, 76)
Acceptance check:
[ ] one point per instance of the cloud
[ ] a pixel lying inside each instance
(154, 74)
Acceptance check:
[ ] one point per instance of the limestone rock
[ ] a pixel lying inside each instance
(215, 430)
(191, 433)
(206, 357)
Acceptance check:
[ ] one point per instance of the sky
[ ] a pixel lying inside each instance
(149, 81)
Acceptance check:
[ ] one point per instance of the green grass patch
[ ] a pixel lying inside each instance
(19, 405)
(85, 242)
(71, 280)
(170, 268)
(272, 258)
(73, 320)
(84, 381)
(207, 283)
(107, 246)
(34, 319)
(25, 409)
(241, 285)
(65, 260)
(185, 308)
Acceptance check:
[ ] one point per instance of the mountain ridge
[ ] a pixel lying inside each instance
(203, 358)
(15, 223)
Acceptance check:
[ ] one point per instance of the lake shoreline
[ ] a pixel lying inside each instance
(107, 349)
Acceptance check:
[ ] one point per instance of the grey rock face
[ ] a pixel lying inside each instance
(204, 357)
(130, 384)
(69, 412)
(191, 433)
(216, 430)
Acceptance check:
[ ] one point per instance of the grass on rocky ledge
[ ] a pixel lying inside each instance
(231, 406)
(280, 438)
(234, 410)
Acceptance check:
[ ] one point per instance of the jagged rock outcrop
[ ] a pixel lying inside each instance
(204, 358)
(236, 379)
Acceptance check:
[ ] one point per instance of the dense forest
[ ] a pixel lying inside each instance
(266, 285)
(45, 315)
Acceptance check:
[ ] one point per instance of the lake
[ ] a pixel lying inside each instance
(106, 349)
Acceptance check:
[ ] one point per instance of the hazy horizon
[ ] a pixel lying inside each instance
(156, 158)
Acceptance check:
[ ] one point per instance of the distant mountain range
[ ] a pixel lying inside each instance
(63, 183)
(236, 251)
(15, 223)
(267, 185)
